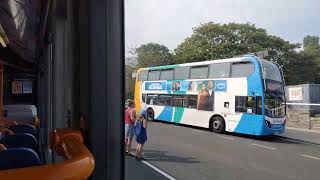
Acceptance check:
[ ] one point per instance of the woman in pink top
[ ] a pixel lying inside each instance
(129, 117)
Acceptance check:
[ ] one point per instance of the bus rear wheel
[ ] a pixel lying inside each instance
(217, 124)
(150, 114)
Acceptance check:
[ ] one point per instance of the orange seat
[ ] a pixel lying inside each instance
(68, 143)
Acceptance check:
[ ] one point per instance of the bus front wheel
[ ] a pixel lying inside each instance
(150, 114)
(217, 124)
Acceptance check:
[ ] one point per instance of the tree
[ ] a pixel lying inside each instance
(152, 54)
(211, 41)
(129, 82)
(146, 55)
(311, 42)
(302, 68)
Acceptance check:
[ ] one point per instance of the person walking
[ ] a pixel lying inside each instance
(130, 117)
(141, 133)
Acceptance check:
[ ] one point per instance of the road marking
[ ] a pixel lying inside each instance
(156, 169)
(264, 146)
(224, 137)
(312, 157)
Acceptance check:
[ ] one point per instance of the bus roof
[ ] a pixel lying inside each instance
(236, 59)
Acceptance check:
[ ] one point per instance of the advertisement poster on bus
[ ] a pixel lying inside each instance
(181, 86)
(155, 86)
(193, 86)
(206, 95)
(220, 85)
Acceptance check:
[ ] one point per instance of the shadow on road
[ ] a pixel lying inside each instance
(153, 155)
(273, 139)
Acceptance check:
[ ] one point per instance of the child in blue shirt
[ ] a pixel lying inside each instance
(141, 133)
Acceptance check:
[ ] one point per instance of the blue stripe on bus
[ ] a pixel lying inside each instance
(255, 125)
(166, 114)
(252, 123)
(255, 85)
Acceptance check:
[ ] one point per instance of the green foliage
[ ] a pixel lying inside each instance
(311, 43)
(129, 82)
(147, 55)
(211, 41)
(152, 54)
(301, 69)
(304, 67)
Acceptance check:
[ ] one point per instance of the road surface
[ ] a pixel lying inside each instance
(195, 154)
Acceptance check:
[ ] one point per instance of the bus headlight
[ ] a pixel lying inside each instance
(268, 123)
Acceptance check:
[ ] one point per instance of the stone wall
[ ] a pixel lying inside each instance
(301, 118)
(315, 123)
(298, 118)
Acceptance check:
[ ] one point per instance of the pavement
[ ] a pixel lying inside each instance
(303, 135)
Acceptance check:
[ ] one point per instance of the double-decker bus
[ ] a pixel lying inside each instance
(241, 95)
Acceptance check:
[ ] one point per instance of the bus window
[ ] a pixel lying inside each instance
(165, 100)
(242, 69)
(259, 105)
(187, 101)
(246, 104)
(177, 101)
(166, 74)
(151, 99)
(153, 75)
(143, 75)
(182, 73)
(199, 72)
(220, 70)
(192, 102)
(144, 98)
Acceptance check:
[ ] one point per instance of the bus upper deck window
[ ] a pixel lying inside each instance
(199, 72)
(143, 75)
(181, 73)
(242, 69)
(154, 75)
(166, 74)
(219, 70)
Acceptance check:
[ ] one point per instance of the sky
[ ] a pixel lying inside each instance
(169, 22)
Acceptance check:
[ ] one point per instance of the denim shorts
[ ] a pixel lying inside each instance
(129, 131)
